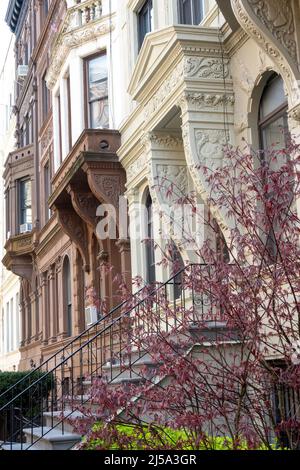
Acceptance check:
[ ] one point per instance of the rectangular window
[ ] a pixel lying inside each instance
(7, 212)
(190, 11)
(145, 21)
(59, 125)
(97, 92)
(45, 99)
(25, 211)
(69, 112)
(47, 186)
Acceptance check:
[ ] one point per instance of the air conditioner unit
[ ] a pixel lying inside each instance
(22, 71)
(25, 228)
(91, 315)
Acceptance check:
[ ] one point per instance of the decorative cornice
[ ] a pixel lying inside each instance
(71, 39)
(205, 100)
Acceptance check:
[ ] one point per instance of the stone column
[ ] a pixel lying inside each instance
(124, 248)
(61, 331)
(52, 304)
(133, 196)
(33, 316)
(27, 315)
(45, 308)
(103, 259)
(23, 329)
(78, 292)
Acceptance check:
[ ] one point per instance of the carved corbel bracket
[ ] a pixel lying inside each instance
(76, 229)
(85, 205)
(105, 187)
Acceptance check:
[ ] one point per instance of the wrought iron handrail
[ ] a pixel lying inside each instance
(62, 351)
(95, 349)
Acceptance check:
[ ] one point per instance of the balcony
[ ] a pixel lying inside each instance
(18, 258)
(90, 175)
(81, 13)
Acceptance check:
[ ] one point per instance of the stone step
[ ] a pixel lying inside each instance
(15, 446)
(54, 419)
(51, 439)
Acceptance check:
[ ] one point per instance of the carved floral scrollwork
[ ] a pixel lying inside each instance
(206, 67)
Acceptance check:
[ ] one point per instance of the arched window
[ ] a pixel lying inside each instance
(273, 133)
(67, 296)
(150, 252)
(273, 123)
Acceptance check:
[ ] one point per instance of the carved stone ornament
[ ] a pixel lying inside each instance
(164, 91)
(106, 188)
(68, 40)
(166, 141)
(206, 67)
(209, 145)
(173, 174)
(205, 101)
(137, 167)
(277, 16)
(270, 24)
(75, 228)
(85, 204)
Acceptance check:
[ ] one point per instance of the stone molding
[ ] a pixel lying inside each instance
(254, 16)
(72, 39)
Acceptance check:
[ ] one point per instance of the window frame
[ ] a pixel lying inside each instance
(262, 124)
(46, 99)
(21, 209)
(87, 107)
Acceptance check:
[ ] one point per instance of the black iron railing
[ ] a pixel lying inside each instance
(115, 340)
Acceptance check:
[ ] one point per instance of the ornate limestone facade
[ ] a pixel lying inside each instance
(197, 89)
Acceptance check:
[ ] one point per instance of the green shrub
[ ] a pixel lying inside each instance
(130, 437)
(30, 399)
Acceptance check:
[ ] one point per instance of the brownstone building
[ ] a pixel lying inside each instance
(51, 207)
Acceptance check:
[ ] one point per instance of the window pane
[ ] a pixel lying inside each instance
(273, 135)
(99, 90)
(187, 12)
(99, 112)
(98, 93)
(273, 97)
(197, 11)
(97, 70)
(25, 202)
(145, 21)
